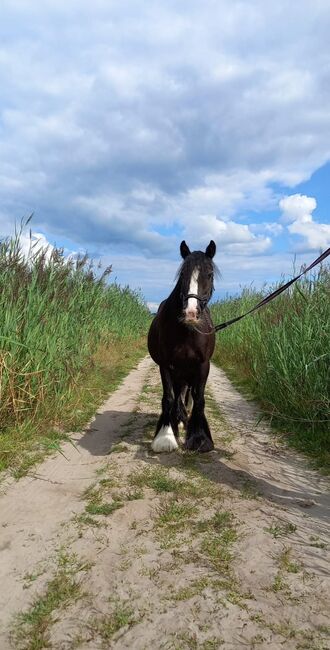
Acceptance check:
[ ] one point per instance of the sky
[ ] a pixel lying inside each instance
(128, 126)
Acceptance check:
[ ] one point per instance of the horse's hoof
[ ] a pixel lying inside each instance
(202, 445)
(164, 441)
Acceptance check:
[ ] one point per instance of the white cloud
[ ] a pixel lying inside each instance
(272, 227)
(34, 243)
(297, 207)
(228, 193)
(128, 125)
(116, 222)
(86, 111)
(153, 306)
(297, 213)
(231, 237)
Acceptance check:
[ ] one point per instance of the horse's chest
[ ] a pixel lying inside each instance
(183, 355)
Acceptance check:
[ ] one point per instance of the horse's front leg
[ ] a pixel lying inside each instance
(198, 433)
(165, 439)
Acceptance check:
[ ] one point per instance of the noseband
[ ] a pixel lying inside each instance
(202, 301)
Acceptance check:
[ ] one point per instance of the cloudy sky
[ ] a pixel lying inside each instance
(128, 126)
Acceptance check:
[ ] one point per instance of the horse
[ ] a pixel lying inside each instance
(181, 342)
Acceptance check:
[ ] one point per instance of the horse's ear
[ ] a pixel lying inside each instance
(184, 249)
(210, 251)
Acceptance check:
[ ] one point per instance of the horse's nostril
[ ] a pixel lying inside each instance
(192, 313)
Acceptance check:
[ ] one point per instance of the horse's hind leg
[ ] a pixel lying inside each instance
(188, 400)
(180, 415)
(165, 439)
(198, 433)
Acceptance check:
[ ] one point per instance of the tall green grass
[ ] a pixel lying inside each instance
(282, 355)
(55, 315)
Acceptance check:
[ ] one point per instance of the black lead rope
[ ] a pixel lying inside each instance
(273, 295)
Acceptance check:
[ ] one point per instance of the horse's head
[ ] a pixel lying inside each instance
(196, 281)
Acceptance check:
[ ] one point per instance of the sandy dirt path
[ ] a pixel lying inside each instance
(112, 546)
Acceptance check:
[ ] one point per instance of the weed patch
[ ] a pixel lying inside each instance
(279, 529)
(122, 615)
(286, 563)
(174, 512)
(219, 536)
(103, 508)
(156, 478)
(31, 628)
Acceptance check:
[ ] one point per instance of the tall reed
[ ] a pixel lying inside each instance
(282, 354)
(54, 314)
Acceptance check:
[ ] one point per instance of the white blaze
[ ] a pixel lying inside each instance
(192, 305)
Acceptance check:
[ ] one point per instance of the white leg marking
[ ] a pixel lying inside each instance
(165, 440)
(190, 404)
(191, 309)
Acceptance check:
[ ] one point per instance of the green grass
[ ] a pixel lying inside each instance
(281, 356)
(187, 641)
(286, 563)
(217, 548)
(218, 523)
(173, 518)
(95, 495)
(194, 588)
(67, 337)
(279, 584)
(316, 542)
(280, 529)
(105, 497)
(103, 508)
(174, 512)
(219, 536)
(194, 486)
(86, 520)
(31, 628)
(121, 616)
(156, 478)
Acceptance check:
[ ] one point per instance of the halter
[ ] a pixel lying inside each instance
(264, 301)
(203, 301)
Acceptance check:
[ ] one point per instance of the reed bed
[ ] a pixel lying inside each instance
(281, 355)
(56, 314)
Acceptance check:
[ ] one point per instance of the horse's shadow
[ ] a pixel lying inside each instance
(112, 427)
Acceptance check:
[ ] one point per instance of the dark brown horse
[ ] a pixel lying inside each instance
(181, 341)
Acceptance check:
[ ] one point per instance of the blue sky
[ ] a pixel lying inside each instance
(126, 127)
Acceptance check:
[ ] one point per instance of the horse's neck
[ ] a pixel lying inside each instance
(173, 303)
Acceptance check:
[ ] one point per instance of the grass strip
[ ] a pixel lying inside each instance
(280, 356)
(67, 337)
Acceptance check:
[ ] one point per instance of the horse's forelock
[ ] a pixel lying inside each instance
(199, 260)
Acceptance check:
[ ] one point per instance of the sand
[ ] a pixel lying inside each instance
(222, 550)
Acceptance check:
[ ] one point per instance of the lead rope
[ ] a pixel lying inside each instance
(268, 298)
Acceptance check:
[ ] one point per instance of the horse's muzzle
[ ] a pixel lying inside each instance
(191, 314)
